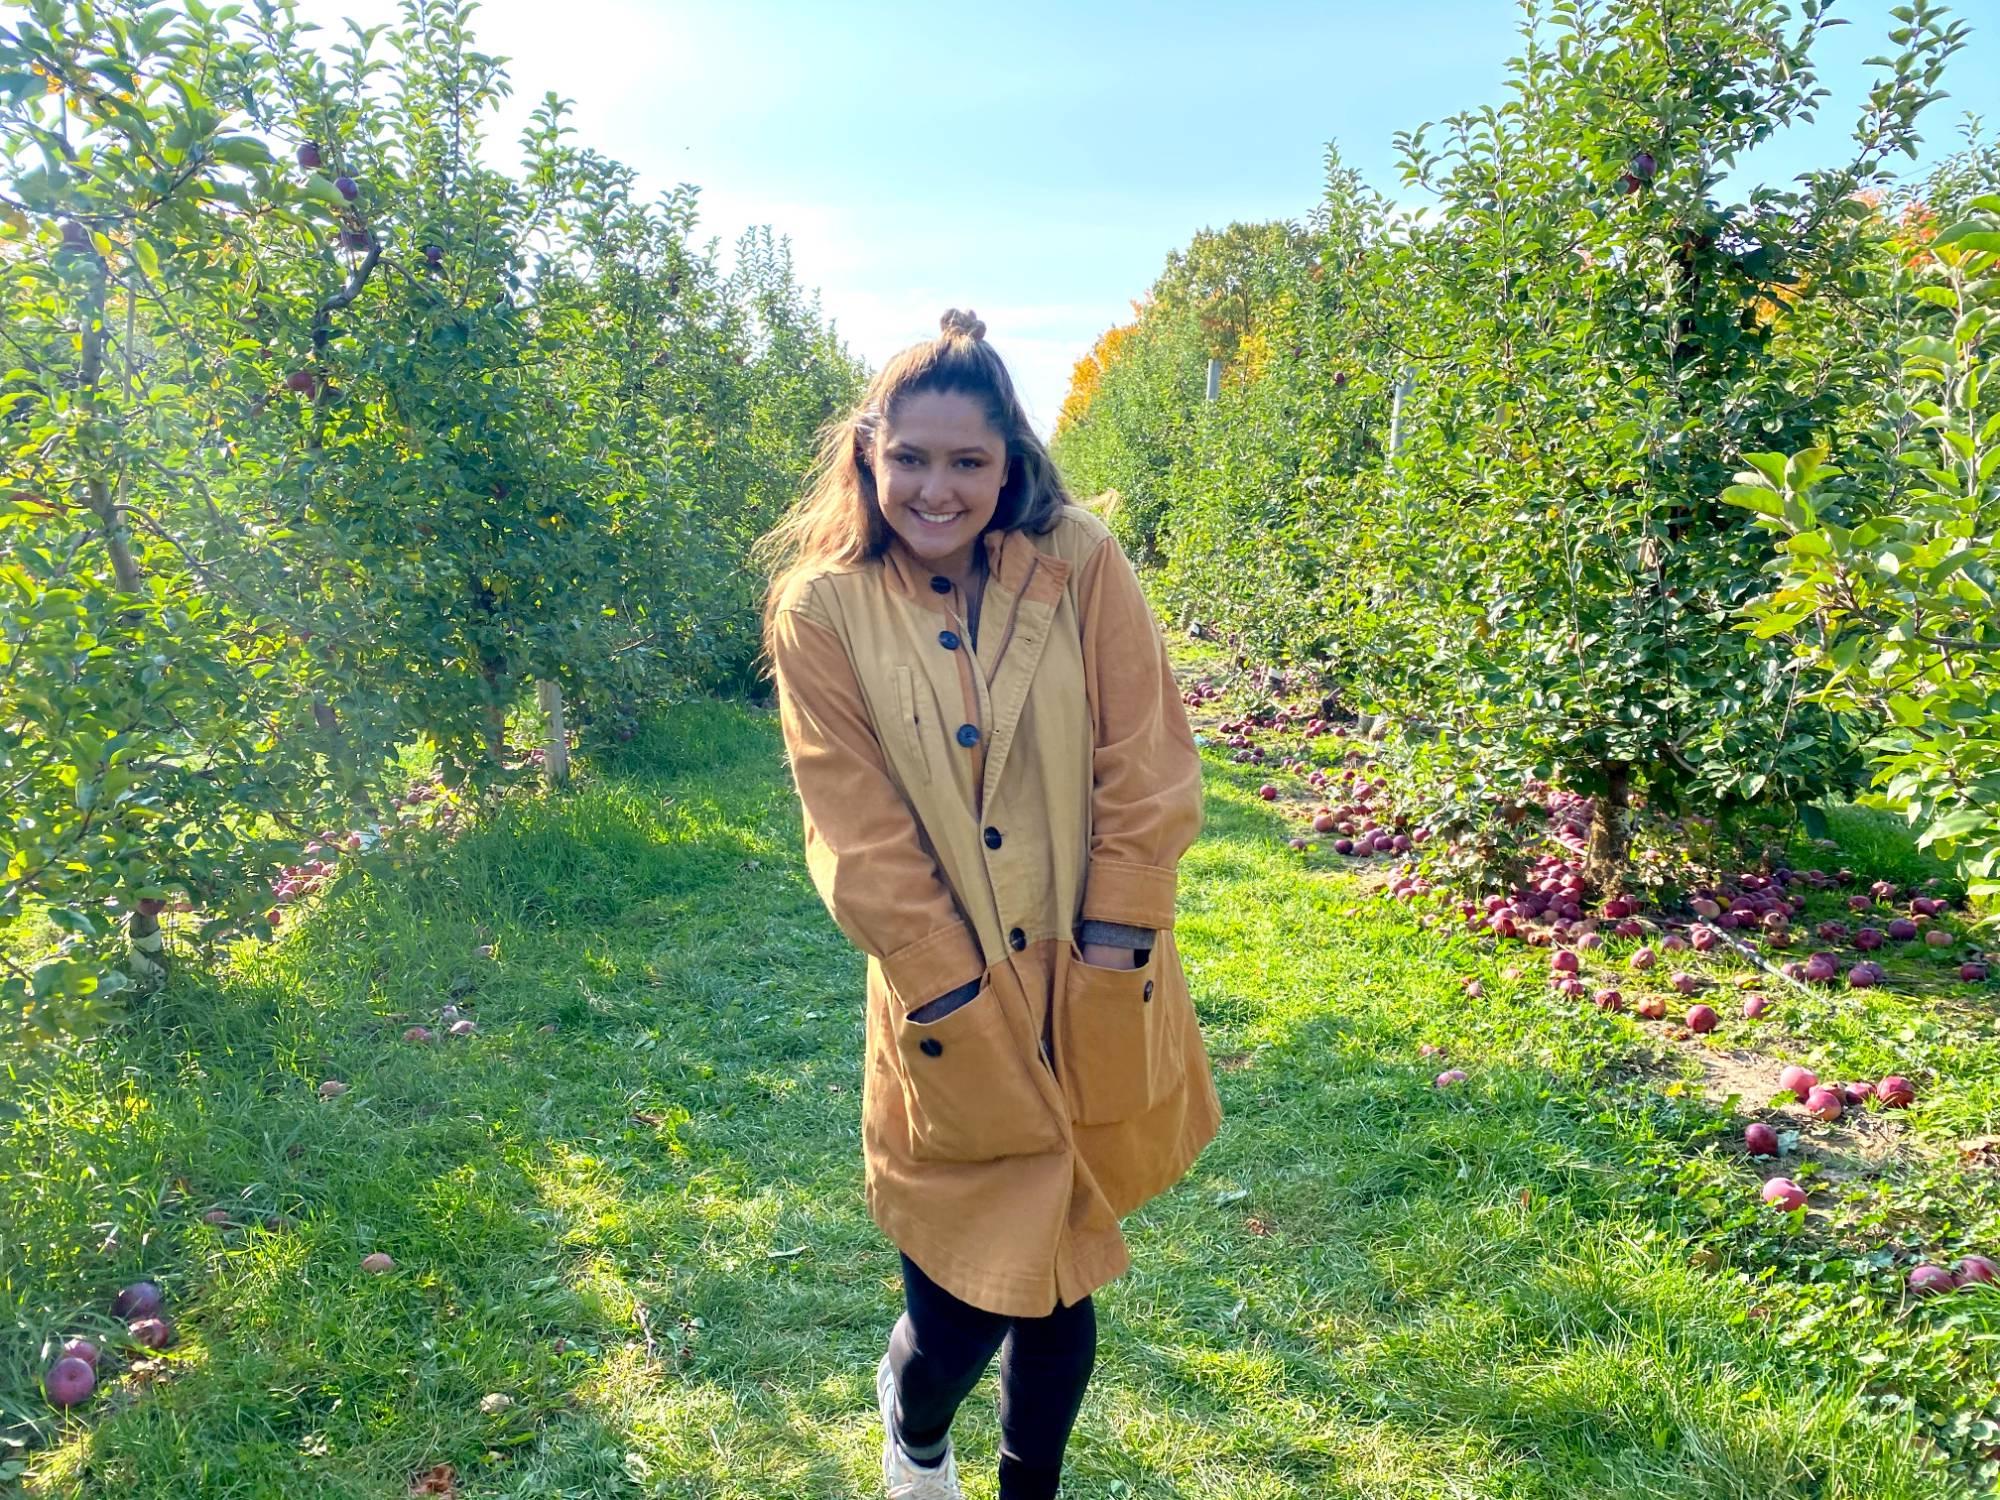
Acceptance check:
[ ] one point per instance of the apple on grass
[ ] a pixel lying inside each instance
(1784, 1194)
(69, 1381)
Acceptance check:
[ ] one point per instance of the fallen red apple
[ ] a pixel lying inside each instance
(1857, 1093)
(1799, 1081)
(1448, 1077)
(1686, 983)
(1976, 1268)
(1937, 937)
(1323, 823)
(417, 1034)
(1784, 1194)
(1754, 1006)
(154, 1333)
(1930, 1280)
(377, 1264)
(1702, 1019)
(1673, 942)
(1896, 1092)
(1972, 973)
(1863, 976)
(69, 1381)
(1608, 1000)
(1868, 939)
(1643, 959)
(1823, 1103)
(1565, 962)
(82, 1349)
(333, 1088)
(1268, 792)
(139, 1300)
(1902, 930)
(1760, 1140)
(463, 1028)
(1651, 1007)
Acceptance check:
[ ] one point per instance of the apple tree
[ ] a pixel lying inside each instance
(1887, 564)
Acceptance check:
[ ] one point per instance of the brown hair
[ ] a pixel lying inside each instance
(838, 520)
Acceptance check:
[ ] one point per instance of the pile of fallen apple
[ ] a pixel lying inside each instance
(72, 1376)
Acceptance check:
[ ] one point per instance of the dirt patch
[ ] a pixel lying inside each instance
(1863, 1142)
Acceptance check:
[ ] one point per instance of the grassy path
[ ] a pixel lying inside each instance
(630, 1204)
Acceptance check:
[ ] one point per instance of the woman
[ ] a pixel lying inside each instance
(998, 782)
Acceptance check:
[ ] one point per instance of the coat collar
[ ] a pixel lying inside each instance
(1011, 557)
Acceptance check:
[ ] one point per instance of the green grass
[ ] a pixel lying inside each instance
(645, 1226)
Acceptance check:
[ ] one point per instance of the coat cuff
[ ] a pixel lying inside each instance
(1136, 895)
(1116, 934)
(923, 970)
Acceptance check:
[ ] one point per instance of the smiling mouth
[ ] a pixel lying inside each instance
(936, 518)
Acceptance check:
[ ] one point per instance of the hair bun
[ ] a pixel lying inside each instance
(965, 324)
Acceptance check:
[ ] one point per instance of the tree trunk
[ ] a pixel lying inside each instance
(1610, 829)
(555, 762)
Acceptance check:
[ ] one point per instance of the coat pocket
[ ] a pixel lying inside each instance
(967, 1091)
(1120, 1037)
(913, 729)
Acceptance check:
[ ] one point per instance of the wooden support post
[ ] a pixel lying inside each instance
(555, 760)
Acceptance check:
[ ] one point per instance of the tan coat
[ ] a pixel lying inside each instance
(964, 811)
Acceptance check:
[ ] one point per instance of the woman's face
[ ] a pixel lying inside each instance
(939, 466)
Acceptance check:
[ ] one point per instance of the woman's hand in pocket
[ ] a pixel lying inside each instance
(1109, 956)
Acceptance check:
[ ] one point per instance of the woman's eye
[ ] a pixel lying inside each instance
(972, 463)
(906, 459)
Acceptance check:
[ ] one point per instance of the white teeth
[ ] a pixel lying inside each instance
(936, 519)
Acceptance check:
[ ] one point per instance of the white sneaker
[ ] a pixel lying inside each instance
(904, 1478)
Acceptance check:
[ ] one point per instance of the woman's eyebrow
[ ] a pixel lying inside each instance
(980, 449)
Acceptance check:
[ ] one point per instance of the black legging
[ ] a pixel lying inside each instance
(941, 1346)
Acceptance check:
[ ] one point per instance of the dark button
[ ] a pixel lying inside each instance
(1149, 991)
(941, 585)
(930, 1046)
(968, 735)
(993, 838)
(948, 639)
(1018, 938)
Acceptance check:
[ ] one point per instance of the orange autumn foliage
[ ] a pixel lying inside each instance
(1088, 374)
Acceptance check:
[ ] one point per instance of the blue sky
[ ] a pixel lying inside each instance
(1036, 161)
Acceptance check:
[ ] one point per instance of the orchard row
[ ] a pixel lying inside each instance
(1586, 476)
(336, 467)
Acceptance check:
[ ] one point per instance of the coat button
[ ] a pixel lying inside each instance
(930, 1046)
(1018, 939)
(1149, 991)
(948, 639)
(968, 735)
(993, 838)
(941, 585)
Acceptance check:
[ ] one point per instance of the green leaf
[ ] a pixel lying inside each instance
(241, 151)
(1905, 711)
(1757, 497)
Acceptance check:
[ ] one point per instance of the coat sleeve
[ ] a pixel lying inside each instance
(878, 881)
(1145, 801)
